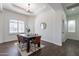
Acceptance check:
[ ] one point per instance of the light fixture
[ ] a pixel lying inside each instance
(29, 8)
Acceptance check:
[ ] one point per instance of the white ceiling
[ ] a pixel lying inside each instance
(71, 11)
(67, 4)
(36, 8)
(22, 7)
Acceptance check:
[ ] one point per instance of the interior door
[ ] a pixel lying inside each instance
(63, 32)
(72, 28)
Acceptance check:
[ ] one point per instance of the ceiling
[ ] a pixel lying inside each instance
(37, 8)
(71, 8)
(22, 8)
(67, 4)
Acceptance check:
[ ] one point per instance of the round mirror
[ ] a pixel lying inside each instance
(43, 25)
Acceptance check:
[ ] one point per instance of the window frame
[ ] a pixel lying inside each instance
(17, 26)
(74, 26)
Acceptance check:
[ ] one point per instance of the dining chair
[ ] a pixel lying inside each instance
(22, 42)
(36, 41)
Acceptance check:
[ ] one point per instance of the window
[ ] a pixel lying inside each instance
(16, 26)
(13, 26)
(71, 25)
(21, 27)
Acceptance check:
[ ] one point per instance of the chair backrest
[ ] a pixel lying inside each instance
(37, 39)
(18, 38)
(21, 39)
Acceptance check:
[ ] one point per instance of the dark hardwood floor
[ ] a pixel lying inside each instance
(69, 48)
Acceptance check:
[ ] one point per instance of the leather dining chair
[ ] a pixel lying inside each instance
(18, 39)
(36, 41)
(22, 42)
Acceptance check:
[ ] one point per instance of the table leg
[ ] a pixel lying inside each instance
(38, 44)
(28, 45)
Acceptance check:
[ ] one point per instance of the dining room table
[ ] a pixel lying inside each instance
(29, 38)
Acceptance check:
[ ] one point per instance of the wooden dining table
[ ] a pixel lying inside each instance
(29, 38)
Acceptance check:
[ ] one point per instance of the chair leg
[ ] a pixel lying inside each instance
(35, 46)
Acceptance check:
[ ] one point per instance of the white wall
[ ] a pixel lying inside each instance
(53, 17)
(31, 24)
(1, 23)
(1, 27)
(77, 27)
(5, 16)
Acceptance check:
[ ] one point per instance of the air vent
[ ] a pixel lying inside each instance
(73, 5)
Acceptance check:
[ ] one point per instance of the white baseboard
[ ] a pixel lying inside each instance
(52, 42)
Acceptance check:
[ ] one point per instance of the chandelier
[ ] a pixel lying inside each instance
(29, 8)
